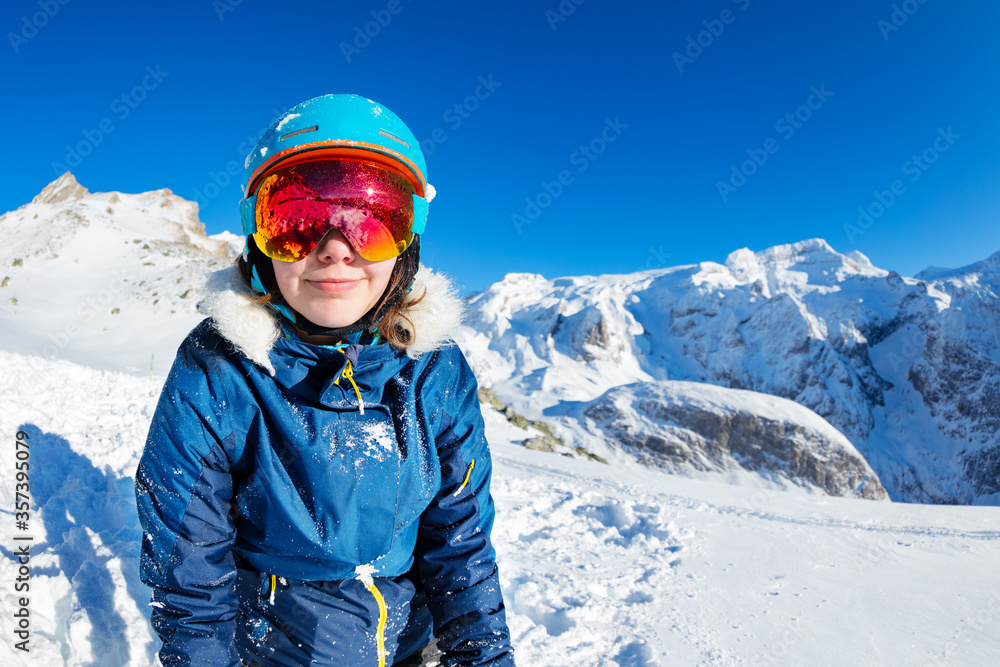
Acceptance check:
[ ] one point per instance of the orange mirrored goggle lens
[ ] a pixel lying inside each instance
(298, 205)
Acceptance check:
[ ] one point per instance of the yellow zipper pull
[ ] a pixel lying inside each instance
(364, 573)
(468, 474)
(348, 373)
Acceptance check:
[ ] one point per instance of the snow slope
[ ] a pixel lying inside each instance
(93, 278)
(602, 565)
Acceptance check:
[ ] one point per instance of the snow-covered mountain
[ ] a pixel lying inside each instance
(601, 565)
(907, 368)
(107, 279)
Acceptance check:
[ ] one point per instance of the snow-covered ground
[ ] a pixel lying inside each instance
(602, 565)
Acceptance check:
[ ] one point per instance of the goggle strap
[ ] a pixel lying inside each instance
(248, 209)
(420, 206)
(255, 281)
(286, 311)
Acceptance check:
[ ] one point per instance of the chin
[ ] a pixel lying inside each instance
(333, 321)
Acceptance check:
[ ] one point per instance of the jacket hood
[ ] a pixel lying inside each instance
(253, 327)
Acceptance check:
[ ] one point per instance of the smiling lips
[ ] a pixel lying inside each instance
(334, 285)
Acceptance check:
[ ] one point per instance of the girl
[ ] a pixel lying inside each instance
(315, 484)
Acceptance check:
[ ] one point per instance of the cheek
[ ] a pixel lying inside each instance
(382, 272)
(286, 273)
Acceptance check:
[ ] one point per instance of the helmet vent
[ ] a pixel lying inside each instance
(390, 136)
(312, 128)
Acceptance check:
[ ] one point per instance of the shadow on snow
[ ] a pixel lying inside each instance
(90, 518)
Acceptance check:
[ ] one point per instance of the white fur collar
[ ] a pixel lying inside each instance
(252, 327)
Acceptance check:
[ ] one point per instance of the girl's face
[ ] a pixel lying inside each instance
(333, 286)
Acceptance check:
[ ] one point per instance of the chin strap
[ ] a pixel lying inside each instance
(262, 273)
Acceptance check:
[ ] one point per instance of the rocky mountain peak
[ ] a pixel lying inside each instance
(814, 258)
(63, 188)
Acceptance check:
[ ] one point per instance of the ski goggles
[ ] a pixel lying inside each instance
(377, 210)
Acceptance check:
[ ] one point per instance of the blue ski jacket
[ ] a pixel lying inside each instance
(310, 505)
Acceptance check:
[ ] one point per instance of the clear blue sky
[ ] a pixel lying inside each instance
(650, 198)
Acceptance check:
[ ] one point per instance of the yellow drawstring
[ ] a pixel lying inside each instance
(468, 474)
(348, 373)
(364, 573)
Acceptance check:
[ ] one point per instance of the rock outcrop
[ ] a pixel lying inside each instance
(686, 426)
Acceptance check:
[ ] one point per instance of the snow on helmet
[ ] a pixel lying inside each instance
(338, 126)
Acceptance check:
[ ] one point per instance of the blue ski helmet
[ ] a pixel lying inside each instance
(345, 126)
(338, 126)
